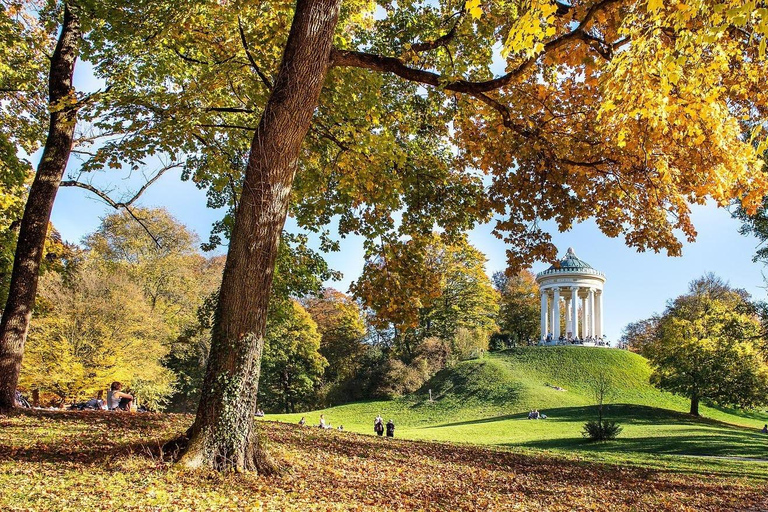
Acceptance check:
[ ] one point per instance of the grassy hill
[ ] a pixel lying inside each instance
(486, 401)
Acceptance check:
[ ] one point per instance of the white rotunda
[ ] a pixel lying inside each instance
(580, 287)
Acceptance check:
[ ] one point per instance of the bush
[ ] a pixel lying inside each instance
(469, 343)
(601, 430)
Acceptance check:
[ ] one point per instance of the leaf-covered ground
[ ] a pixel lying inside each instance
(109, 461)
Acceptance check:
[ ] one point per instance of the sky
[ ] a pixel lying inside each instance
(638, 284)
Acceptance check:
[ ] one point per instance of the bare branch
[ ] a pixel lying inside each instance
(235, 110)
(234, 126)
(124, 204)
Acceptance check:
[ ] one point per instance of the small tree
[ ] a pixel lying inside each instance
(707, 347)
(601, 430)
(519, 307)
(292, 366)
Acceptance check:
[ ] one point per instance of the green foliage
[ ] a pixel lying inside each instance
(601, 430)
(342, 329)
(292, 366)
(707, 347)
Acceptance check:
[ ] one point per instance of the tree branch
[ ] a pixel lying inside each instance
(374, 62)
(124, 204)
(248, 54)
(442, 40)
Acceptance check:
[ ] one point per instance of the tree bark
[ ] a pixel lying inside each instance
(695, 405)
(37, 213)
(223, 436)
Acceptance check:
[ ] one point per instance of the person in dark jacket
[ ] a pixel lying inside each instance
(378, 425)
(390, 428)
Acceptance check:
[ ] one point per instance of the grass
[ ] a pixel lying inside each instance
(486, 402)
(83, 461)
(488, 456)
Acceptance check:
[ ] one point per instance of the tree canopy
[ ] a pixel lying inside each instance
(707, 347)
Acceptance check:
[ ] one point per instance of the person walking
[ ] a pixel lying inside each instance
(378, 425)
(390, 428)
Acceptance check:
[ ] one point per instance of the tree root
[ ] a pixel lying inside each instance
(253, 458)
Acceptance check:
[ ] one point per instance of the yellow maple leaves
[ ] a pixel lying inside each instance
(474, 9)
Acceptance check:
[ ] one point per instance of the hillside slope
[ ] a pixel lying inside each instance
(486, 401)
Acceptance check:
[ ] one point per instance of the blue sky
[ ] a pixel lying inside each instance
(638, 284)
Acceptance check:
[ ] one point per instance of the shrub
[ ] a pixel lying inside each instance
(601, 430)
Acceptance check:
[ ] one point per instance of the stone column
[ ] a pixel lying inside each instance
(592, 311)
(575, 310)
(584, 325)
(567, 316)
(600, 314)
(556, 327)
(544, 315)
(551, 328)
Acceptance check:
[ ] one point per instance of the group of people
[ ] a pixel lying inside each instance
(576, 340)
(536, 415)
(117, 400)
(322, 424)
(378, 427)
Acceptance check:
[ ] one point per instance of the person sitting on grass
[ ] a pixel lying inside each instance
(117, 400)
(765, 428)
(302, 421)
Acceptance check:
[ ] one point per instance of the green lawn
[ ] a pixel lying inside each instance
(486, 402)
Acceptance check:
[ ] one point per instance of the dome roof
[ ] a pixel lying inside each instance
(570, 264)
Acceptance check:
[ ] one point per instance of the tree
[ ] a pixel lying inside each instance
(95, 327)
(34, 223)
(519, 307)
(631, 158)
(707, 347)
(340, 323)
(603, 389)
(160, 255)
(292, 364)
(42, 41)
(300, 272)
(429, 287)
(637, 336)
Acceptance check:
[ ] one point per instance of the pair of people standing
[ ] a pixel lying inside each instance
(378, 427)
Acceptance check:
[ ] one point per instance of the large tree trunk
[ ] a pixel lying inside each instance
(223, 435)
(37, 214)
(695, 405)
